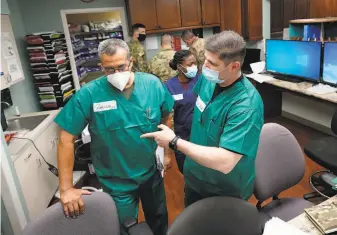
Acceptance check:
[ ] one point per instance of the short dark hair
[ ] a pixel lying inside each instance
(179, 57)
(137, 26)
(229, 45)
(187, 34)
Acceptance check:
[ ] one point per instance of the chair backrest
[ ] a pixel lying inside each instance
(280, 162)
(218, 216)
(334, 123)
(100, 217)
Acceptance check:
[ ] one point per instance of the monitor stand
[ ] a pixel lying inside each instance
(287, 78)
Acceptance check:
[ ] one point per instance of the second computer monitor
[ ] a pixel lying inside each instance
(330, 63)
(294, 58)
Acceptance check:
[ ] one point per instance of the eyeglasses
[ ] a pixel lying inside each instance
(111, 70)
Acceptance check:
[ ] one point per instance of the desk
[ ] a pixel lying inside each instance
(303, 223)
(271, 93)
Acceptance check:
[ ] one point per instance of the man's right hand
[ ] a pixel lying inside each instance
(72, 202)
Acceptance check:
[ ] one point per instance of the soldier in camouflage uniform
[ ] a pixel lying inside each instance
(159, 64)
(196, 45)
(137, 50)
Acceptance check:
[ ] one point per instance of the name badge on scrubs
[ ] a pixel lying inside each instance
(104, 106)
(200, 104)
(178, 97)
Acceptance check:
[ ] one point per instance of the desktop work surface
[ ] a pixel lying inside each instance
(271, 90)
(303, 223)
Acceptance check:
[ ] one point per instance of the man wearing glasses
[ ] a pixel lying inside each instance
(118, 107)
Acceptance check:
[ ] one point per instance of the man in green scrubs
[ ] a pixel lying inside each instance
(227, 122)
(118, 108)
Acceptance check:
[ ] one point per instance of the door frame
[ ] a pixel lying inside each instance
(64, 14)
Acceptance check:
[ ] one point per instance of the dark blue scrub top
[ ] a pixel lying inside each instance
(183, 105)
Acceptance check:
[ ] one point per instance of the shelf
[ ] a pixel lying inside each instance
(95, 32)
(181, 28)
(314, 21)
(90, 76)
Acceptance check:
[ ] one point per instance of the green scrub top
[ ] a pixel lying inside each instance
(122, 160)
(233, 121)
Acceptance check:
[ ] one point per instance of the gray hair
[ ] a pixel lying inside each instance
(110, 46)
(229, 45)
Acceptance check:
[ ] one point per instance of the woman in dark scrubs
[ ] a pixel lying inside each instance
(181, 88)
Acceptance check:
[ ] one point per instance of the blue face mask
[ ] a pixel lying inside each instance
(212, 75)
(191, 71)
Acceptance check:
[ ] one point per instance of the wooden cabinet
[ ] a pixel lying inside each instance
(321, 8)
(254, 20)
(276, 16)
(168, 14)
(210, 12)
(144, 12)
(190, 12)
(301, 9)
(288, 12)
(231, 15)
(243, 17)
(334, 8)
(173, 15)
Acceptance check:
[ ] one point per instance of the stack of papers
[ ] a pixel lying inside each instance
(260, 78)
(275, 226)
(322, 89)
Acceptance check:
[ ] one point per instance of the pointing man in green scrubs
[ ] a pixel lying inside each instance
(227, 122)
(118, 108)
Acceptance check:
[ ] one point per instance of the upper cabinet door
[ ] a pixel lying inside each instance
(231, 15)
(334, 8)
(254, 19)
(168, 14)
(320, 8)
(190, 13)
(301, 9)
(276, 15)
(288, 12)
(143, 12)
(210, 12)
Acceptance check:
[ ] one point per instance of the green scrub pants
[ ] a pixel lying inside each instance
(152, 196)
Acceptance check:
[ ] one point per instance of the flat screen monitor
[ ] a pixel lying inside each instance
(300, 59)
(330, 63)
(252, 56)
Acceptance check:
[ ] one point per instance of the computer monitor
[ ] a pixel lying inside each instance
(300, 59)
(330, 63)
(252, 56)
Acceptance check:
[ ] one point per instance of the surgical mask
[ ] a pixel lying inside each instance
(213, 76)
(191, 72)
(142, 37)
(120, 79)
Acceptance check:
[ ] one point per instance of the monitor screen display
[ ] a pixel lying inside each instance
(294, 58)
(252, 56)
(330, 63)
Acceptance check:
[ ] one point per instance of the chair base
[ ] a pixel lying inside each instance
(321, 183)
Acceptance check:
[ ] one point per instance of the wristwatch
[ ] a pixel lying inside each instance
(173, 143)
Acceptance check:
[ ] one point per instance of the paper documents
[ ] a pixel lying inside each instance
(160, 160)
(258, 67)
(322, 89)
(260, 78)
(276, 226)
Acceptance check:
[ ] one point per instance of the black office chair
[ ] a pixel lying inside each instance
(218, 216)
(323, 151)
(100, 217)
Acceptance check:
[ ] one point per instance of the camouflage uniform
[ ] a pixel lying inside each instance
(198, 49)
(159, 64)
(138, 53)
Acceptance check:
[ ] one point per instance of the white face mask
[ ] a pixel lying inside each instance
(191, 72)
(120, 79)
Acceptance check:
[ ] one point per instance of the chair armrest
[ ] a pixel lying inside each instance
(133, 228)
